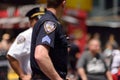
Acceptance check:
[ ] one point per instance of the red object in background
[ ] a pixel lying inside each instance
(80, 30)
(116, 76)
(16, 13)
(3, 13)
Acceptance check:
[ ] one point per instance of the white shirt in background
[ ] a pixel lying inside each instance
(20, 50)
(116, 61)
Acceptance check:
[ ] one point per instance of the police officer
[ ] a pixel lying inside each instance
(19, 53)
(49, 45)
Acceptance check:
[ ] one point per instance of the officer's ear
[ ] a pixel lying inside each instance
(63, 4)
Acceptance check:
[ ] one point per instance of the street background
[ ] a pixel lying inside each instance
(83, 20)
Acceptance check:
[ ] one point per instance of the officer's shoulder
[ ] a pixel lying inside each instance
(26, 32)
(50, 22)
(49, 26)
(21, 38)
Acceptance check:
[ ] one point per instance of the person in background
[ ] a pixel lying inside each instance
(49, 44)
(73, 56)
(5, 42)
(115, 64)
(4, 46)
(96, 36)
(108, 54)
(91, 65)
(112, 41)
(19, 53)
(88, 37)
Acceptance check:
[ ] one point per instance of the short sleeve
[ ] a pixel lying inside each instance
(46, 34)
(81, 62)
(115, 64)
(17, 47)
(116, 61)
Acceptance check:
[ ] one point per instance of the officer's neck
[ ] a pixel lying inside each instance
(54, 11)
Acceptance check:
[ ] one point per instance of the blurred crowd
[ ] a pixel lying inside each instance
(109, 51)
(110, 54)
(4, 47)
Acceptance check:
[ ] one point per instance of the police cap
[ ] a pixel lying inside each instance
(35, 12)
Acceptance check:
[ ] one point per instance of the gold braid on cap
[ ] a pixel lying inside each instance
(42, 11)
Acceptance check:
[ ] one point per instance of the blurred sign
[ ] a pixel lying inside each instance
(80, 4)
(79, 31)
(20, 11)
(3, 13)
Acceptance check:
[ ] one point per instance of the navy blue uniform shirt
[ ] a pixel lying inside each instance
(48, 31)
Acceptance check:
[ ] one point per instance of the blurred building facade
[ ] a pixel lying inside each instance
(104, 19)
(90, 13)
(106, 7)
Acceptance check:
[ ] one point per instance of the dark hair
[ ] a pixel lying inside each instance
(54, 3)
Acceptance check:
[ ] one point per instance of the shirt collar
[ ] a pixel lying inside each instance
(49, 12)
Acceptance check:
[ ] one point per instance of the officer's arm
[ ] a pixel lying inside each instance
(45, 63)
(16, 67)
(14, 52)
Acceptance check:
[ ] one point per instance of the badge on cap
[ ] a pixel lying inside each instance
(49, 26)
(20, 39)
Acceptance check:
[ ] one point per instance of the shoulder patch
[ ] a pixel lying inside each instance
(20, 39)
(49, 26)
